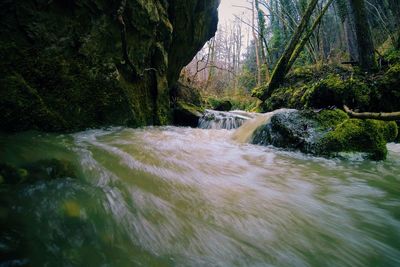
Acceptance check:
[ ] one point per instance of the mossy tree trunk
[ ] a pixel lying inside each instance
(280, 69)
(365, 44)
(307, 36)
(256, 42)
(261, 38)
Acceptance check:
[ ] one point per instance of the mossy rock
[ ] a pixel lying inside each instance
(62, 67)
(224, 105)
(326, 133)
(185, 93)
(219, 104)
(288, 97)
(387, 96)
(186, 114)
(326, 119)
(326, 93)
(369, 136)
(37, 171)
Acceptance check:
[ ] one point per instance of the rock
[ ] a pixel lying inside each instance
(326, 133)
(187, 114)
(219, 104)
(62, 66)
(11, 174)
(224, 105)
(51, 169)
(369, 136)
(187, 94)
(41, 170)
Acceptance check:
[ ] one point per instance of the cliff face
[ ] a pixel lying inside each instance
(68, 65)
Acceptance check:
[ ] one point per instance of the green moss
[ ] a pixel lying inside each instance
(391, 131)
(355, 135)
(61, 67)
(259, 91)
(190, 107)
(288, 97)
(328, 92)
(392, 56)
(386, 96)
(328, 119)
(357, 93)
(213, 102)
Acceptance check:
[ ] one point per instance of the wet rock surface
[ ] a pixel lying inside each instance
(63, 64)
(326, 133)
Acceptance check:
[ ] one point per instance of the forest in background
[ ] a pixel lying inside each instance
(243, 54)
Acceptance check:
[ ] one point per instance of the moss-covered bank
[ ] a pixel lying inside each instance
(330, 86)
(62, 66)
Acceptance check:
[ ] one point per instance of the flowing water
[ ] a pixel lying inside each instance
(193, 197)
(224, 120)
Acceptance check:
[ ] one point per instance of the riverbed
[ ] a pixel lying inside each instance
(170, 196)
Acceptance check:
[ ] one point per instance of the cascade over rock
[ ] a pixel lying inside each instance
(64, 67)
(213, 119)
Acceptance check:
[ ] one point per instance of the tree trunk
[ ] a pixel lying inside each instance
(366, 51)
(307, 36)
(211, 54)
(256, 45)
(261, 38)
(280, 69)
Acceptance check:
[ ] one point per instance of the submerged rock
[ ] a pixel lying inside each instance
(48, 169)
(327, 133)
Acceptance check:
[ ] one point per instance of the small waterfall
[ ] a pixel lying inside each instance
(224, 120)
(246, 132)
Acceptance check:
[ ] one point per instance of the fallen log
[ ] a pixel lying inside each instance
(392, 116)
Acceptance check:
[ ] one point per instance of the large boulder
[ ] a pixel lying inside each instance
(63, 65)
(326, 133)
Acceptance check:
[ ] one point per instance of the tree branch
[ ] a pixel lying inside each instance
(393, 116)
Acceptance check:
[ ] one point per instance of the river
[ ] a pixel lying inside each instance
(169, 196)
